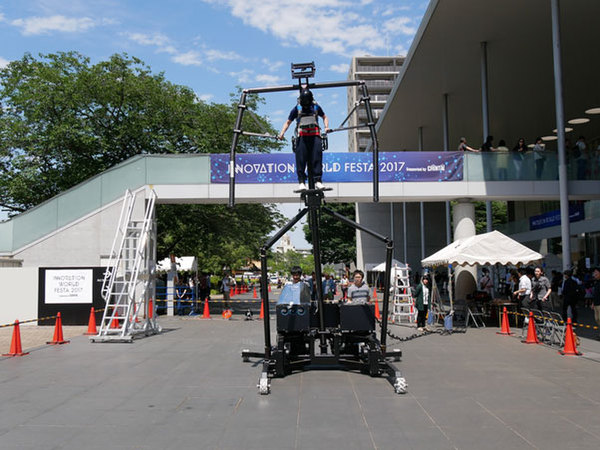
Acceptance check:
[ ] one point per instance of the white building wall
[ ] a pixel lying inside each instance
(19, 295)
(82, 243)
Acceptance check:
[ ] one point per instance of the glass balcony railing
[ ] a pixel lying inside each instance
(510, 166)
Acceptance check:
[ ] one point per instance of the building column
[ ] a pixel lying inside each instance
(446, 149)
(465, 278)
(422, 205)
(565, 227)
(486, 122)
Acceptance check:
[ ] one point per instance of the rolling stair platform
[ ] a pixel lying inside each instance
(403, 306)
(128, 286)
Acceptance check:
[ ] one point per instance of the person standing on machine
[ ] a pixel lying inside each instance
(308, 146)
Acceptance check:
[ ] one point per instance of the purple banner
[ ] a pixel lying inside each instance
(342, 167)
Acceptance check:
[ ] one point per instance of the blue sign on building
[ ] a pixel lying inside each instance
(342, 167)
(552, 218)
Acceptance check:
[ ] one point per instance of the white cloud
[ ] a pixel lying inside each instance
(1, 17)
(334, 26)
(340, 68)
(243, 76)
(3, 62)
(400, 25)
(191, 58)
(213, 55)
(268, 79)
(205, 97)
(43, 25)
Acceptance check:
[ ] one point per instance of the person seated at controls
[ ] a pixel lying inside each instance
(308, 148)
(297, 292)
(358, 292)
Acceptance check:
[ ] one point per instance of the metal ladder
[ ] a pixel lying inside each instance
(403, 308)
(128, 285)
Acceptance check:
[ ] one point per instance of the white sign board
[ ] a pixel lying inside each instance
(69, 286)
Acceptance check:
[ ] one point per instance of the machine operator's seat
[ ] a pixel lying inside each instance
(293, 308)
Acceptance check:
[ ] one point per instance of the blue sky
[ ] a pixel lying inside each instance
(213, 46)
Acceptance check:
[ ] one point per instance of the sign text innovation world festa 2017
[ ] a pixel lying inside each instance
(342, 167)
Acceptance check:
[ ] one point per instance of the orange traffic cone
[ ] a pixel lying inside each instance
(262, 310)
(58, 334)
(375, 293)
(15, 343)
(227, 313)
(269, 288)
(377, 313)
(91, 324)
(531, 333)
(505, 330)
(115, 322)
(150, 309)
(254, 294)
(570, 348)
(206, 312)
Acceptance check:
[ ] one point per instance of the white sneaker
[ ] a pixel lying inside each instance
(320, 186)
(301, 187)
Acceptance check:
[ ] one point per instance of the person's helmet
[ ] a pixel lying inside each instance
(306, 98)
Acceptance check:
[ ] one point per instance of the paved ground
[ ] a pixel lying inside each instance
(188, 388)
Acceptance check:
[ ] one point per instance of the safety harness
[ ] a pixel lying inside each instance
(308, 123)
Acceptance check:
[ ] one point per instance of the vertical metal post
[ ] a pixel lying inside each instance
(392, 224)
(318, 286)
(565, 229)
(264, 295)
(386, 293)
(422, 205)
(371, 125)
(405, 237)
(237, 131)
(486, 125)
(446, 149)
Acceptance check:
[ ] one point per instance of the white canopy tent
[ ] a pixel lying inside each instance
(484, 249)
(381, 267)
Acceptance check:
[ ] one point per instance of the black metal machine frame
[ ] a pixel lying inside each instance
(323, 343)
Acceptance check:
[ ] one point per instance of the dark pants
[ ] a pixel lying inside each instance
(573, 304)
(421, 316)
(309, 153)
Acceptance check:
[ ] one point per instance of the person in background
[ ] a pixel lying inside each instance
(519, 151)
(344, 286)
(358, 292)
(502, 160)
(569, 294)
(596, 296)
(541, 290)
(328, 287)
(539, 157)
(485, 282)
(422, 295)
(463, 147)
(523, 294)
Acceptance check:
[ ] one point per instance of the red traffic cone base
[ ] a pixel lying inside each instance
(91, 324)
(377, 313)
(58, 333)
(531, 333)
(570, 348)
(206, 312)
(505, 330)
(262, 310)
(15, 343)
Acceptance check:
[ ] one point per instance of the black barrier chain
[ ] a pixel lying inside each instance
(562, 322)
(426, 332)
(40, 319)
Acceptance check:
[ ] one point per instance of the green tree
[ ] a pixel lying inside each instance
(63, 120)
(499, 216)
(338, 240)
